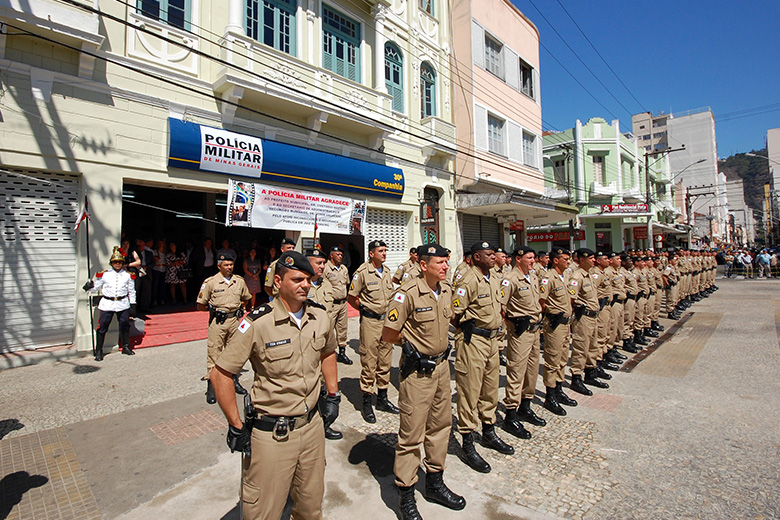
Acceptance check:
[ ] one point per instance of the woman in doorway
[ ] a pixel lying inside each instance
(252, 269)
(174, 261)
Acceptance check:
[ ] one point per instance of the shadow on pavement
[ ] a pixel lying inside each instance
(377, 452)
(9, 425)
(14, 486)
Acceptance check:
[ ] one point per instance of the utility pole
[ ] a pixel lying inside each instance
(649, 195)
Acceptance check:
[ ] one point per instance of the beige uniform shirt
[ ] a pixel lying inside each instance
(405, 271)
(285, 357)
(459, 271)
(557, 290)
(421, 316)
(224, 295)
(632, 282)
(321, 292)
(520, 295)
(373, 290)
(478, 298)
(617, 282)
(641, 279)
(603, 282)
(338, 278)
(586, 292)
(269, 277)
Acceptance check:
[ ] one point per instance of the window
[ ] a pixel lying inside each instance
(495, 135)
(559, 173)
(529, 149)
(172, 12)
(646, 137)
(526, 79)
(493, 62)
(394, 75)
(427, 91)
(598, 169)
(641, 127)
(660, 146)
(272, 22)
(648, 148)
(658, 135)
(341, 44)
(427, 6)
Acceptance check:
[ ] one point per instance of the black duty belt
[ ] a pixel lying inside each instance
(603, 302)
(486, 333)
(232, 314)
(652, 293)
(339, 302)
(631, 296)
(371, 314)
(581, 311)
(438, 358)
(115, 298)
(271, 423)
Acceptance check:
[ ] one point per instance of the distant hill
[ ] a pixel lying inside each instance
(754, 172)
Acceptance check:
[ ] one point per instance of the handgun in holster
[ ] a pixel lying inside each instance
(521, 324)
(411, 360)
(212, 313)
(579, 311)
(554, 320)
(468, 330)
(249, 420)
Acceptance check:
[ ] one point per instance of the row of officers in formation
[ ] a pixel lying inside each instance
(581, 306)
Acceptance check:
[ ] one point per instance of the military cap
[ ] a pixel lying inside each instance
(336, 249)
(584, 252)
(601, 254)
(541, 254)
(500, 250)
(482, 246)
(226, 257)
(644, 258)
(432, 250)
(522, 251)
(611, 255)
(559, 251)
(288, 241)
(376, 243)
(315, 253)
(413, 250)
(295, 260)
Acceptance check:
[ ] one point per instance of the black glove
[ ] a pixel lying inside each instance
(240, 439)
(89, 285)
(329, 408)
(132, 310)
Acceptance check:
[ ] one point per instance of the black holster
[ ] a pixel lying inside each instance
(555, 320)
(521, 324)
(411, 360)
(468, 330)
(579, 311)
(603, 302)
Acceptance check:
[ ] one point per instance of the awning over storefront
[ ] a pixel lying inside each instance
(199, 147)
(533, 210)
(673, 230)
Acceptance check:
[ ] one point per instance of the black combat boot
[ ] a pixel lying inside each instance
(407, 505)
(650, 333)
(513, 426)
(629, 346)
(384, 404)
(600, 372)
(437, 491)
(656, 326)
(578, 386)
(470, 456)
(551, 402)
(592, 379)
(368, 408)
(526, 413)
(639, 339)
(605, 364)
(610, 357)
(210, 397)
(240, 390)
(564, 399)
(333, 435)
(124, 338)
(101, 338)
(673, 315)
(493, 441)
(617, 355)
(341, 357)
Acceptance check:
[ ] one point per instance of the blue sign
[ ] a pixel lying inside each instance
(203, 148)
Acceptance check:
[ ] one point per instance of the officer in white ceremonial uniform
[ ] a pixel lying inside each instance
(117, 287)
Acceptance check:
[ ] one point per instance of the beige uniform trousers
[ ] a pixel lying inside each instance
(556, 353)
(604, 328)
(295, 466)
(671, 298)
(696, 284)
(425, 402)
(616, 324)
(219, 335)
(340, 323)
(657, 304)
(639, 313)
(476, 379)
(629, 313)
(376, 356)
(583, 336)
(522, 366)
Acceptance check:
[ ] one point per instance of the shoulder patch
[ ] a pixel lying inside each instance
(545, 281)
(244, 326)
(461, 292)
(399, 297)
(260, 311)
(132, 276)
(99, 274)
(316, 304)
(505, 282)
(392, 315)
(572, 292)
(574, 283)
(355, 276)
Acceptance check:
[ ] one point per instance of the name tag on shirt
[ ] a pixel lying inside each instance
(277, 343)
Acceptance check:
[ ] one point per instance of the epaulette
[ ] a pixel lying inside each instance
(132, 276)
(260, 311)
(99, 274)
(314, 303)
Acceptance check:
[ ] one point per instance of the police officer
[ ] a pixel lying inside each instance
(462, 267)
(629, 309)
(117, 288)
(541, 265)
(419, 316)
(338, 275)
(370, 292)
(671, 276)
(288, 244)
(290, 343)
(602, 275)
(407, 270)
(477, 306)
(222, 295)
(555, 297)
(523, 316)
(658, 290)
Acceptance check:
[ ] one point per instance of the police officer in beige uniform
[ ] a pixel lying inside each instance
(338, 276)
(617, 299)
(601, 274)
(408, 269)
(653, 265)
(523, 317)
(370, 292)
(462, 267)
(222, 295)
(290, 343)
(477, 306)
(629, 309)
(287, 245)
(419, 316)
(671, 276)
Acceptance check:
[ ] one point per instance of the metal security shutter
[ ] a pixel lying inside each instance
(392, 228)
(38, 256)
(476, 229)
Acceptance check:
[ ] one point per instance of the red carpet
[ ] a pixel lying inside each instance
(179, 324)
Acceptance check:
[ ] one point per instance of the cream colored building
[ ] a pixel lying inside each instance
(348, 98)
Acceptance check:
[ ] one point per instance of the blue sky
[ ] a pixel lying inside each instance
(672, 56)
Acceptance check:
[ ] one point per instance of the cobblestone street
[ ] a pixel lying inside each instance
(688, 429)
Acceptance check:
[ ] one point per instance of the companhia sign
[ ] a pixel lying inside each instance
(624, 208)
(555, 236)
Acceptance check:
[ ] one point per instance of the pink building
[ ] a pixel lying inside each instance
(498, 119)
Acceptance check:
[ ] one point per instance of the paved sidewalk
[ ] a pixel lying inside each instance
(689, 430)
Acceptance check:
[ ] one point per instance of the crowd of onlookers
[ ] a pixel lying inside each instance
(752, 263)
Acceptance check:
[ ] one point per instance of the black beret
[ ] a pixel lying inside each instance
(225, 256)
(413, 250)
(542, 253)
(584, 252)
(500, 250)
(288, 241)
(523, 250)
(432, 250)
(601, 254)
(376, 243)
(559, 251)
(482, 246)
(315, 253)
(336, 249)
(295, 260)
(612, 255)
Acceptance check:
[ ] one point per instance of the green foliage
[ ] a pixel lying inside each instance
(754, 172)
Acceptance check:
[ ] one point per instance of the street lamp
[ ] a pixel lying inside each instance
(692, 164)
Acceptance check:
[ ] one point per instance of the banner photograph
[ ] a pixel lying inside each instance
(271, 207)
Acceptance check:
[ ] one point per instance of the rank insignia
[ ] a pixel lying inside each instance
(541, 288)
(502, 293)
(393, 315)
(572, 292)
(456, 302)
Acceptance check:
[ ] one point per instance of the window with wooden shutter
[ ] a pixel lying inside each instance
(427, 91)
(340, 44)
(394, 75)
(272, 22)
